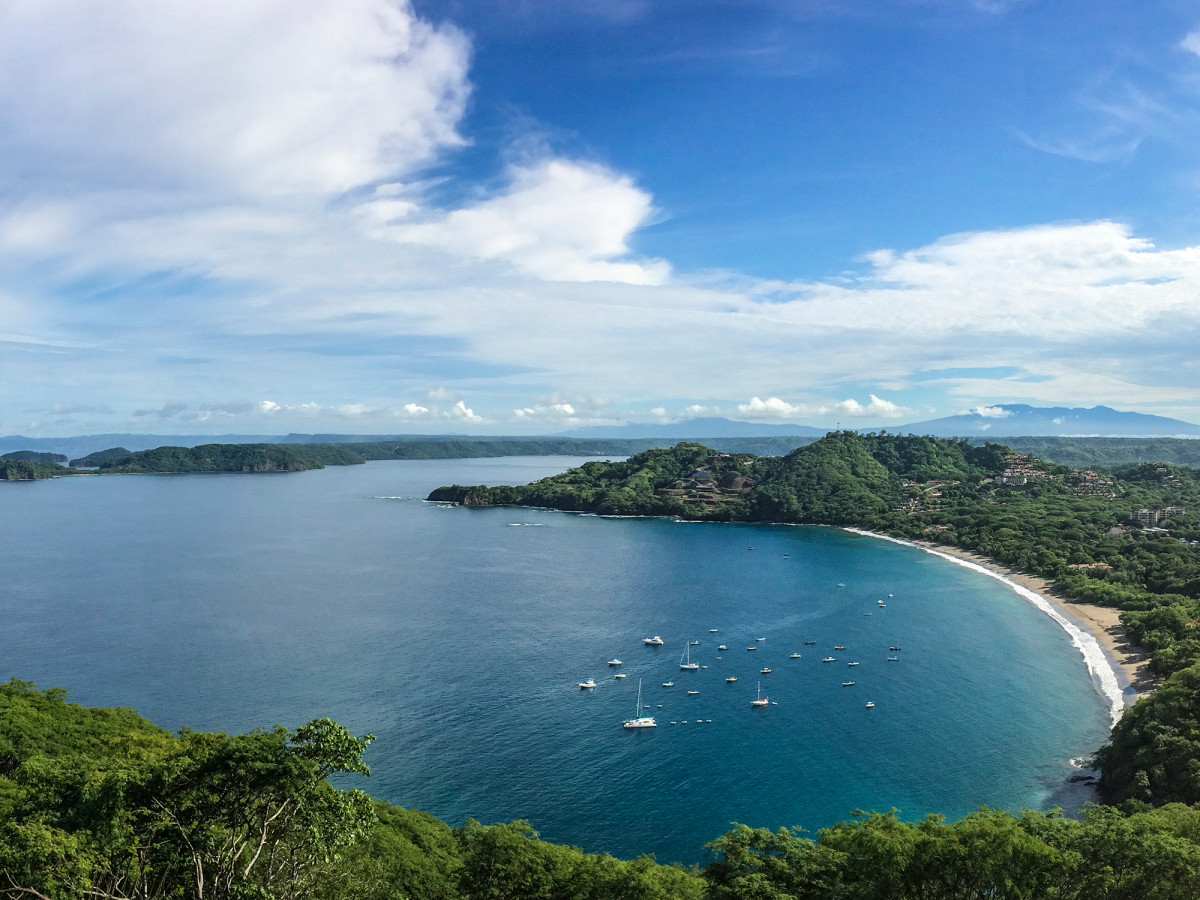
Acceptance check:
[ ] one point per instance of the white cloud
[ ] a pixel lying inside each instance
(262, 97)
(460, 411)
(552, 411)
(772, 408)
(1191, 43)
(873, 408)
(557, 219)
(776, 409)
(991, 412)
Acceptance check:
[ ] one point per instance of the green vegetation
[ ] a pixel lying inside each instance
(35, 456)
(220, 458)
(1108, 453)
(300, 457)
(1070, 526)
(99, 803)
(29, 470)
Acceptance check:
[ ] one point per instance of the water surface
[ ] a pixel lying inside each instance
(458, 637)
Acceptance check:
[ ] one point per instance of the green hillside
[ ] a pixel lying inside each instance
(99, 803)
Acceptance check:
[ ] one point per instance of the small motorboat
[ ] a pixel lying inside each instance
(893, 659)
(852, 664)
(615, 662)
(751, 648)
(766, 671)
(585, 685)
(847, 683)
(619, 675)
(655, 641)
(695, 643)
(730, 680)
(893, 648)
(794, 656)
(870, 704)
(668, 684)
(839, 646)
(829, 659)
(692, 693)
(712, 631)
(809, 643)
(722, 647)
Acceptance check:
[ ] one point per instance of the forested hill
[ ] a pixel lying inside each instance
(20, 469)
(1074, 527)
(220, 458)
(299, 457)
(99, 803)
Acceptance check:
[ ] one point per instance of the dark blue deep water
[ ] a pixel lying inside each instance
(458, 637)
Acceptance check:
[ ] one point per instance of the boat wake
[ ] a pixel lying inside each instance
(1103, 673)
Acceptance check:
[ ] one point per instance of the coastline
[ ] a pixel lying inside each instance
(1118, 668)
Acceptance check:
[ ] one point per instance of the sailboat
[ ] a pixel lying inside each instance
(685, 661)
(761, 701)
(638, 720)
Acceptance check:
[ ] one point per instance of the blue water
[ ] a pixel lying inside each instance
(458, 637)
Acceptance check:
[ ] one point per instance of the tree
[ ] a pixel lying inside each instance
(101, 803)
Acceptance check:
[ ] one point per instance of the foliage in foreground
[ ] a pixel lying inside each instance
(100, 803)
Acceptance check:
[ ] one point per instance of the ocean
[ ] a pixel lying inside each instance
(459, 637)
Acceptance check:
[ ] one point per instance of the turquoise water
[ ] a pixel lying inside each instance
(458, 637)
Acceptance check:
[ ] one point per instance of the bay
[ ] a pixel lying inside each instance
(458, 637)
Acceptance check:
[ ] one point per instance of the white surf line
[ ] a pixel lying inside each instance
(1102, 671)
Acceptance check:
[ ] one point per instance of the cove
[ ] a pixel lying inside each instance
(459, 636)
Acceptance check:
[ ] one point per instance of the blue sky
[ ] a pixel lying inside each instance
(458, 215)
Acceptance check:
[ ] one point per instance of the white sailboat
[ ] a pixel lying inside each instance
(761, 701)
(685, 661)
(638, 720)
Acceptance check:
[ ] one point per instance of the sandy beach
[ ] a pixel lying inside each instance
(1102, 622)
(1127, 661)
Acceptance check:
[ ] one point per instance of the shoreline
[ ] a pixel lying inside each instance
(1117, 667)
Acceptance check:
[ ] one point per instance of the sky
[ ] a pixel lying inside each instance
(463, 216)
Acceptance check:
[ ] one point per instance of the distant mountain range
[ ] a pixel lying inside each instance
(998, 422)
(1019, 420)
(1004, 420)
(690, 429)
